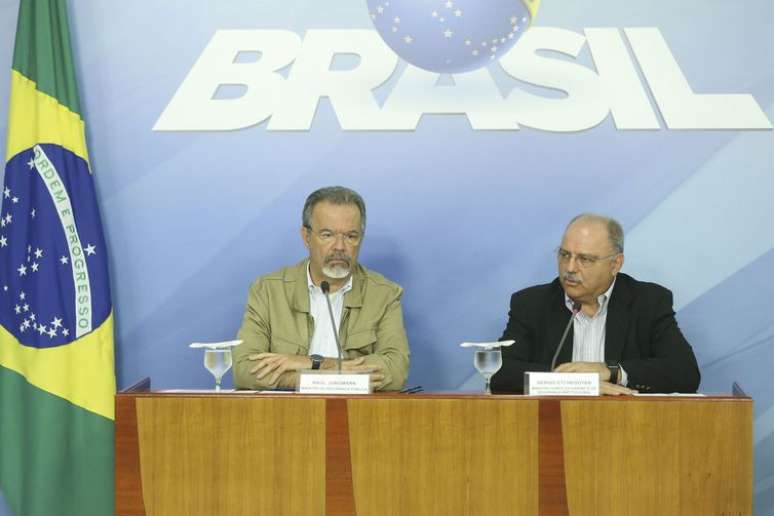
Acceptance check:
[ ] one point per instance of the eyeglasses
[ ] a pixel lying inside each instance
(583, 260)
(327, 236)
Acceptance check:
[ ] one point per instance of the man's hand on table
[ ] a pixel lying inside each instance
(605, 387)
(270, 367)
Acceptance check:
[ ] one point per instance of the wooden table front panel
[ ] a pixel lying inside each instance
(673, 457)
(214, 456)
(444, 456)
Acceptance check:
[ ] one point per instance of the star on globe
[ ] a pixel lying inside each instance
(451, 36)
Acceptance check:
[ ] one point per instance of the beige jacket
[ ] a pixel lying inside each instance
(277, 320)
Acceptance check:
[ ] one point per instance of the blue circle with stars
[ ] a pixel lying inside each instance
(450, 36)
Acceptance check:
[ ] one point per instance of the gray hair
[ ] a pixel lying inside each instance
(615, 234)
(335, 195)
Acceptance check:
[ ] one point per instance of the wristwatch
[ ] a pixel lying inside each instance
(317, 361)
(615, 371)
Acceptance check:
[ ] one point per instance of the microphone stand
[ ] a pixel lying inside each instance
(576, 307)
(326, 287)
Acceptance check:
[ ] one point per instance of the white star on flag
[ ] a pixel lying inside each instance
(90, 250)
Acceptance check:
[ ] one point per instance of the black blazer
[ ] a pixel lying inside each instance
(641, 333)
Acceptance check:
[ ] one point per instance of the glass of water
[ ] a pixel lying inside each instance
(488, 361)
(218, 362)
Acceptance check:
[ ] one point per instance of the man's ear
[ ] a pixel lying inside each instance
(305, 235)
(618, 264)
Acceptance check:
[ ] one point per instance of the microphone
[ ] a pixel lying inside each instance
(325, 286)
(576, 307)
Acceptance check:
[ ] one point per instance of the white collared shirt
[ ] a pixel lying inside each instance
(324, 341)
(588, 339)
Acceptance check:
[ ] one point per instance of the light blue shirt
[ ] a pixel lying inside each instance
(588, 342)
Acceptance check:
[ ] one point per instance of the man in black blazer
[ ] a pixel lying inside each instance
(625, 329)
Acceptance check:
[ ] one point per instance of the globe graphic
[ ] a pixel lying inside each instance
(451, 36)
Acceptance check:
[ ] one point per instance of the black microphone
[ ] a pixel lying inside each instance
(576, 307)
(325, 286)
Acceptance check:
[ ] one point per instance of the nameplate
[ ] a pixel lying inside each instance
(561, 384)
(332, 382)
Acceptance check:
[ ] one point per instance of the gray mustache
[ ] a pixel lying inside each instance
(338, 257)
(572, 277)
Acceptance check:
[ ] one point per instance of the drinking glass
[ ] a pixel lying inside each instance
(218, 362)
(488, 361)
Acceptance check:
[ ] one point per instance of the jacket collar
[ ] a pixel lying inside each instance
(618, 318)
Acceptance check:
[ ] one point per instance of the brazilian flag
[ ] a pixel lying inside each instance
(57, 377)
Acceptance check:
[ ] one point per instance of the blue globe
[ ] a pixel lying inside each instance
(451, 36)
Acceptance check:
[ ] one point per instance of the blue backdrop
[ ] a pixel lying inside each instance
(460, 216)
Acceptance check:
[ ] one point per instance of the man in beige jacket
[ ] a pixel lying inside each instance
(286, 327)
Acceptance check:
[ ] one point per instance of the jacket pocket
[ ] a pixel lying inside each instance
(361, 342)
(286, 345)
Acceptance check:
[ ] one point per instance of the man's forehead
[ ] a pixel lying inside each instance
(327, 212)
(590, 235)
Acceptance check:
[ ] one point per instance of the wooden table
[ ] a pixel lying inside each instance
(431, 454)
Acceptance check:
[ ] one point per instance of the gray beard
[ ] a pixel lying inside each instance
(336, 272)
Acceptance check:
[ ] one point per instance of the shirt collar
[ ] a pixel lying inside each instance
(314, 288)
(603, 299)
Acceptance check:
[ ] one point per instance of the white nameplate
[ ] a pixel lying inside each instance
(333, 382)
(561, 384)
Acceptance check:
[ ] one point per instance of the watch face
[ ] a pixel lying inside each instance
(316, 361)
